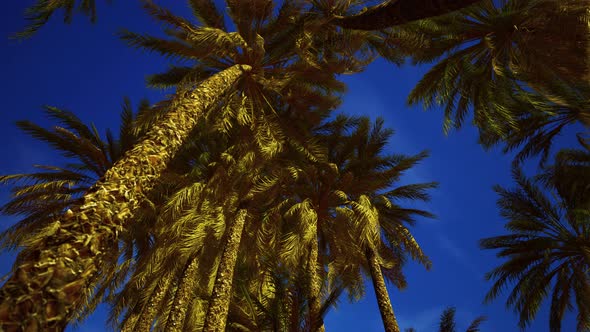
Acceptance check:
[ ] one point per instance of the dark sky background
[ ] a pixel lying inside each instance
(86, 69)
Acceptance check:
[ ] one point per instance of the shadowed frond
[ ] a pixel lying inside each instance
(545, 247)
(39, 13)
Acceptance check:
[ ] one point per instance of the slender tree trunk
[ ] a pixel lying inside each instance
(387, 315)
(396, 12)
(219, 304)
(50, 279)
(145, 318)
(315, 286)
(294, 323)
(182, 298)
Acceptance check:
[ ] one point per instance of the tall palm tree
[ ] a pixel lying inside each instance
(42, 196)
(50, 279)
(325, 210)
(486, 51)
(376, 222)
(380, 256)
(190, 227)
(547, 251)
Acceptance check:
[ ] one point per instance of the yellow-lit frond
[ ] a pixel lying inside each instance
(182, 200)
(411, 246)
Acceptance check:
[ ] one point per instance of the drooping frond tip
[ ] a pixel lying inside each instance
(39, 14)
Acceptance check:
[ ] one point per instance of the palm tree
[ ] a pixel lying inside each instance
(375, 220)
(547, 250)
(325, 210)
(486, 51)
(60, 268)
(447, 322)
(379, 255)
(244, 185)
(397, 12)
(42, 196)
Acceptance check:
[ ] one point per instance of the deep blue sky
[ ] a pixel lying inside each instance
(86, 69)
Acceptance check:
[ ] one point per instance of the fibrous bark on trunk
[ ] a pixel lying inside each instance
(315, 286)
(52, 277)
(216, 317)
(183, 296)
(385, 308)
(398, 12)
(144, 319)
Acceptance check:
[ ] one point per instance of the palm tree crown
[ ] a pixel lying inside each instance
(486, 51)
(547, 253)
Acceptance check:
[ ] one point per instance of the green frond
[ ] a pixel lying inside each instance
(269, 137)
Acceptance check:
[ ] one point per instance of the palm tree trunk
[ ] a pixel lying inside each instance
(180, 305)
(143, 321)
(387, 315)
(315, 286)
(51, 279)
(397, 12)
(293, 311)
(219, 304)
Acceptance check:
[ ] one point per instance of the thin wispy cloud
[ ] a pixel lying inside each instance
(457, 253)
